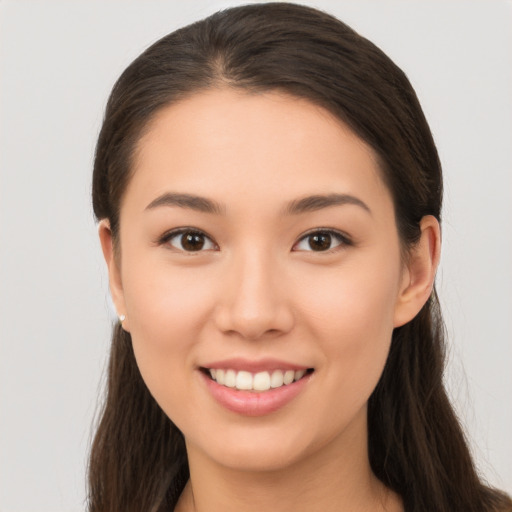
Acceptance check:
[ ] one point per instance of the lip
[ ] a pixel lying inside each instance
(250, 403)
(253, 366)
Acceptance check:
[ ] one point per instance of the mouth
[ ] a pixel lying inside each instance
(256, 382)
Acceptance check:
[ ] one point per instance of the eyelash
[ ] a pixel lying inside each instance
(167, 237)
(342, 239)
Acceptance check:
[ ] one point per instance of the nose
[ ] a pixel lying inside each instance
(253, 300)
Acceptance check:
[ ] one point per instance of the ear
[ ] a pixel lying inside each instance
(114, 271)
(419, 272)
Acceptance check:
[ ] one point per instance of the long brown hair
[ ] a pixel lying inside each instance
(416, 445)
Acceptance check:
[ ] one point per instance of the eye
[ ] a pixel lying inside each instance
(321, 241)
(189, 240)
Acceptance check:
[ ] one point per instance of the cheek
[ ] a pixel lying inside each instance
(164, 302)
(356, 298)
(167, 309)
(351, 314)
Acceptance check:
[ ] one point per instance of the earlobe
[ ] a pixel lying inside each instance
(114, 271)
(420, 272)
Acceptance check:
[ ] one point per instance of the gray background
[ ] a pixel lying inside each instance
(58, 61)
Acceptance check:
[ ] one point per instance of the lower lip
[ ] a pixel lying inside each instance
(255, 403)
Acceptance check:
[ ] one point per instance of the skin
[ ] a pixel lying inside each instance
(258, 290)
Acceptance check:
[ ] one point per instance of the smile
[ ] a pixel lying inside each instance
(258, 382)
(257, 392)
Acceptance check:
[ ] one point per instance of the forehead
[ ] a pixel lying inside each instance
(248, 147)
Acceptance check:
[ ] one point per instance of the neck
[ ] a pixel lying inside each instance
(337, 477)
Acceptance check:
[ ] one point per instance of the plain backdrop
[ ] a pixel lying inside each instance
(58, 61)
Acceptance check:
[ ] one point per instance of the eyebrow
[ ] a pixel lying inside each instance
(318, 202)
(295, 207)
(198, 203)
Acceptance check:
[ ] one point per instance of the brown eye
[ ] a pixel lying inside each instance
(190, 241)
(321, 241)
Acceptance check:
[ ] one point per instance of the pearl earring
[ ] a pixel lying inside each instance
(122, 318)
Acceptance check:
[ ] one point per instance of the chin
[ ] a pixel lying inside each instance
(259, 450)
(257, 460)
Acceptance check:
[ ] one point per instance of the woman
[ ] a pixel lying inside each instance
(269, 200)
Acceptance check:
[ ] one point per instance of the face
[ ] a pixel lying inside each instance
(258, 244)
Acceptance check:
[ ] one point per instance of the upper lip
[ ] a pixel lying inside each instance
(254, 366)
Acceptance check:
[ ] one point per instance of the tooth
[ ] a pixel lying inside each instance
(261, 381)
(243, 380)
(299, 374)
(230, 378)
(289, 375)
(276, 380)
(220, 376)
